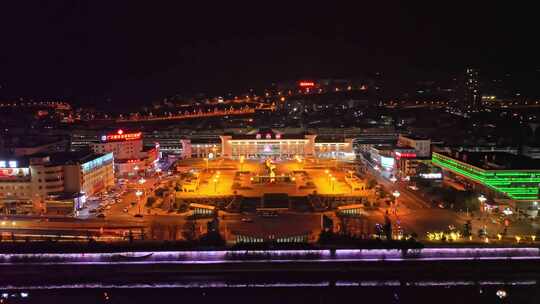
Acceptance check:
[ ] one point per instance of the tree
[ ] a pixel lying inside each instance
(159, 192)
(387, 227)
(467, 229)
(189, 230)
(150, 201)
(371, 183)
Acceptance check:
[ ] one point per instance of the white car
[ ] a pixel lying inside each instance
(412, 187)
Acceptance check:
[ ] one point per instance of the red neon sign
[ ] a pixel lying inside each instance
(307, 84)
(123, 136)
(405, 155)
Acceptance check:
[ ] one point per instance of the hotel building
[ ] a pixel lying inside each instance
(130, 157)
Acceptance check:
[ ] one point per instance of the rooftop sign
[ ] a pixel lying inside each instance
(120, 135)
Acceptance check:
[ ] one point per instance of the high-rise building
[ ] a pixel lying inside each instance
(472, 96)
(130, 157)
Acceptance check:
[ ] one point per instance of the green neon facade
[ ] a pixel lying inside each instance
(516, 184)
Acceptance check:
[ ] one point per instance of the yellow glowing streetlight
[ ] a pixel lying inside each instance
(139, 193)
(242, 162)
(518, 238)
(533, 238)
(215, 184)
(482, 200)
(396, 194)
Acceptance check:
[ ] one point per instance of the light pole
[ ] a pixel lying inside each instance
(333, 183)
(396, 194)
(138, 193)
(482, 200)
(215, 184)
(242, 163)
(206, 160)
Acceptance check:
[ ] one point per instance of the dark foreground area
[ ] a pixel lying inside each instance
(471, 281)
(445, 275)
(373, 291)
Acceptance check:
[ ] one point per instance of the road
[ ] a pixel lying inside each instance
(408, 198)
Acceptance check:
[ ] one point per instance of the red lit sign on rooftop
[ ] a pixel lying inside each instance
(405, 155)
(307, 84)
(120, 135)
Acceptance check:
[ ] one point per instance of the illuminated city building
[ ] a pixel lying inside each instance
(403, 158)
(420, 145)
(371, 137)
(504, 175)
(334, 147)
(267, 144)
(201, 147)
(122, 145)
(130, 157)
(26, 183)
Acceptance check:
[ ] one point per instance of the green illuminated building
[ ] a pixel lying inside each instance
(516, 177)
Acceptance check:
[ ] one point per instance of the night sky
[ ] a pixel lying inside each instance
(127, 52)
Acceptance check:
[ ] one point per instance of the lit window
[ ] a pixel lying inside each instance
(2, 163)
(12, 164)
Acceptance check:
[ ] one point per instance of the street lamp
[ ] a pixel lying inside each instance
(206, 160)
(215, 184)
(333, 183)
(482, 200)
(242, 163)
(396, 194)
(138, 193)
